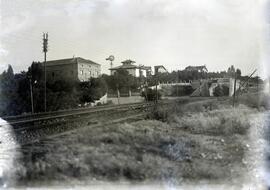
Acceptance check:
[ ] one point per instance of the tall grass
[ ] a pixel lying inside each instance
(260, 101)
(193, 141)
(227, 121)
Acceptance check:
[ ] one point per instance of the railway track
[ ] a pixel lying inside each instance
(33, 129)
(22, 119)
(37, 126)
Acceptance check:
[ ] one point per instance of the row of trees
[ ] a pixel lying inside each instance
(15, 97)
(15, 92)
(15, 88)
(184, 75)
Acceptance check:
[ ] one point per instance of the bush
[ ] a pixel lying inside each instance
(182, 90)
(151, 95)
(158, 112)
(221, 90)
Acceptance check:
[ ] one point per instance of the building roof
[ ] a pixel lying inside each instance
(130, 67)
(196, 68)
(128, 61)
(157, 67)
(128, 64)
(124, 67)
(69, 61)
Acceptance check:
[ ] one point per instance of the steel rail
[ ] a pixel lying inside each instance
(72, 113)
(38, 115)
(59, 114)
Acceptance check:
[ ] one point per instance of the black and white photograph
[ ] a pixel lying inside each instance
(135, 94)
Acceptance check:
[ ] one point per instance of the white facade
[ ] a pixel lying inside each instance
(133, 71)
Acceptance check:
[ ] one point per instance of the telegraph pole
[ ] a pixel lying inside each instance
(45, 49)
(234, 88)
(31, 94)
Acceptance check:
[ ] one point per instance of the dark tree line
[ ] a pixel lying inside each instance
(15, 88)
(15, 91)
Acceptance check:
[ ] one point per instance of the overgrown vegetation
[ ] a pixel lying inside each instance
(15, 91)
(189, 147)
(188, 141)
(221, 90)
(151, 95)
(260, 101)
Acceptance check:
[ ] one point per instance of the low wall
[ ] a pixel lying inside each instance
(102, 100)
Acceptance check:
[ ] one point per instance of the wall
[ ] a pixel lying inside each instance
(134, 72)
(229, 82)
(87, 71)
(102, 100)
(61, 72)
(231, 88)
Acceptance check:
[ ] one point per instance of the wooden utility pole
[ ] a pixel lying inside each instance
(31, 93)
(45, 49)
(156, 90)
(146, 88)
(234, 88)
(118, 93)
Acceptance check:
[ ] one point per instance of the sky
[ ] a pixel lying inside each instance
(173, 33)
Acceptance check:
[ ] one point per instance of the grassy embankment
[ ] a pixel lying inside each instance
(198, 141)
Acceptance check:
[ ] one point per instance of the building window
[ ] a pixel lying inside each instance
(81, 72)
(53, 74)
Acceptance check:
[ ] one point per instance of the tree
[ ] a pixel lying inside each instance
(221, 90)
(151, 94)
(231, 71)
(122, 81)
(92, 90)
(238, 73)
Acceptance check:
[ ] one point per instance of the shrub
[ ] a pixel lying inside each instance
(158, 112)
(221, 90)
(151, 95)
(182, 90)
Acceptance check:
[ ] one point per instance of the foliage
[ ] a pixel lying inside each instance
(151, 95)
(122, 81)
(93, 89)
(15, 96)
(221, 90)
(186, 76)
(147, 150)
(254, 100)
(182, 90)
(10, 85)
(231, 71)
(227, 121)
